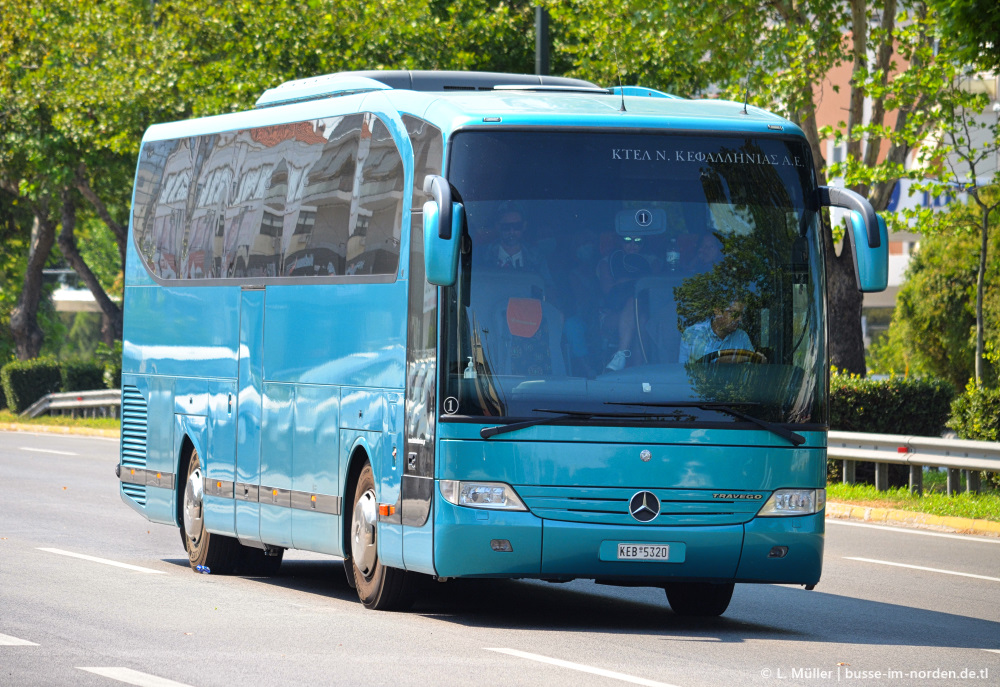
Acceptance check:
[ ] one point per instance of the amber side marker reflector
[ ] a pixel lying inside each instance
(385, 509)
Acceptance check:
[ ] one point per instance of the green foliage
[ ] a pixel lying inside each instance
(82, 335)
(934, 326)
(656, 44)
(26, 381)
(82, 375)
(973, 27)
(977, 506)
(111, 359)
(897, 405)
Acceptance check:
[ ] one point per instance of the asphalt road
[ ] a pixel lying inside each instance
(894, 607)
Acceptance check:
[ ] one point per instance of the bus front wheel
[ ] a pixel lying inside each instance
(380, 587)
(216, 552)
(704, 599)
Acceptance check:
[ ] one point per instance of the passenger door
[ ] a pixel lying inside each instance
(248, 415)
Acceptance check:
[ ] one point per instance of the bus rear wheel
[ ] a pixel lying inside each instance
(216, 552)
(702, 599)
(380, 587)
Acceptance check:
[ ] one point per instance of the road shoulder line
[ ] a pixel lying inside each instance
(923, 568)
(134, 677)
(581, 668)
(104, 561)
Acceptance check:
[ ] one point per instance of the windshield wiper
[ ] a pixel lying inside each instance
(783, 432)
(487, 432)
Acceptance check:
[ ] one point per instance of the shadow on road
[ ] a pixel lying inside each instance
(757, 612)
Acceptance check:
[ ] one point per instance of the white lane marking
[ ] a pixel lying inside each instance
(582, 668)
(920, 567)
(105, 561)
(49, 450)
(993, 651)
(7, 640)
(907, 530)
(134, 677)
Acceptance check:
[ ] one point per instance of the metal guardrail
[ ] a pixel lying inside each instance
(956, 455)
(103, 403)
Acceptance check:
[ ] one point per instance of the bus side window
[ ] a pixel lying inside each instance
(373, 247)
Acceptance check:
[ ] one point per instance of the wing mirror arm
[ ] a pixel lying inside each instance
(869, 236)
(832, 196)
(439, 189)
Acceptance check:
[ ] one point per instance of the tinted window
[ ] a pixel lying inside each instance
(316, 198)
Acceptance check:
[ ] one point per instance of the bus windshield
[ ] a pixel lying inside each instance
(656, 276)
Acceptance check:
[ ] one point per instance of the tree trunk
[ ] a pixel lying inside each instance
(28, 336)
(112, 327)
(847, 346)
(120, 232)
(980, 285)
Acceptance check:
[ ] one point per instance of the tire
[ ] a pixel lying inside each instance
(379, 587)
(218, 553)
(699, 599)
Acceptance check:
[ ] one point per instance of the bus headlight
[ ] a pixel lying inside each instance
(794, 502)
(493, 495)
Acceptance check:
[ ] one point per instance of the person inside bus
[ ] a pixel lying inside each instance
(618, 274)
(719, 332)
(508, 250)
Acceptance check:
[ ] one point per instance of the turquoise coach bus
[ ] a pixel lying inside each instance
(454, 325)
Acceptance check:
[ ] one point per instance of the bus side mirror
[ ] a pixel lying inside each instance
(442, 232)
(869, 237)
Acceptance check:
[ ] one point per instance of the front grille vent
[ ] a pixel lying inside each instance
(609, 505)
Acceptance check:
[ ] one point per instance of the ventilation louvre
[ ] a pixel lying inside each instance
(134, 428)
(136, 492)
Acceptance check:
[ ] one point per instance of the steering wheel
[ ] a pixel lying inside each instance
(731, 356)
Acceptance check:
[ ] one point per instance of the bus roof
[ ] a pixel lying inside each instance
(462, 100)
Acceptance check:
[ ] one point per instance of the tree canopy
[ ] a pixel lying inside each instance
(80, 82)
(933, 331)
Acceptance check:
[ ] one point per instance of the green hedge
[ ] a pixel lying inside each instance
(82, 375)
(975, 415)
(897, 405)
(26, 381)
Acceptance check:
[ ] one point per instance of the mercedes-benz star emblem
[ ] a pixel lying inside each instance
(645, 455)
(644, 218)
(644, 506)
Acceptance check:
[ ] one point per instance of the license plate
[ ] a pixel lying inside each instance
(643, 552)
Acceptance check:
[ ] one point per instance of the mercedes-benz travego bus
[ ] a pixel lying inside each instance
(485, 325)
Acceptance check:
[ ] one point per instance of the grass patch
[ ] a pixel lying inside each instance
(7, 417)
(984, 506)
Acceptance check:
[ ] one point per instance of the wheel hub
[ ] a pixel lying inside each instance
(363, 545)
(194, 521)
